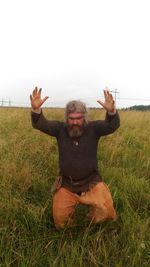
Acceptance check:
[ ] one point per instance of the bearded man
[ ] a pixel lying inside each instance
(79, 180)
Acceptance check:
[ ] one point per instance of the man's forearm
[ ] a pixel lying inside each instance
(35, 117)
(113, 119)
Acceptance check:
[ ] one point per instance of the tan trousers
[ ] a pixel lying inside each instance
(98, 198)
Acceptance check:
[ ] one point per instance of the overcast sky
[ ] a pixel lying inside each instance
(73, 49)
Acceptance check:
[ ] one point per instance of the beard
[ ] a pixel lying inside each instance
(75, 130)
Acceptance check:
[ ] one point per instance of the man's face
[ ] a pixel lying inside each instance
(76, 122)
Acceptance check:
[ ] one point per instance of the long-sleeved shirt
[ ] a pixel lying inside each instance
(77, 156)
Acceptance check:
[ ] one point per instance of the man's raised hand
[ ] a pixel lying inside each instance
(109, 103)
(36, 100)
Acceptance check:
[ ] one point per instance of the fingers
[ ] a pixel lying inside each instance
(105, 93)
(36, 92)
(108, 96)
(101, 103)
(31, 98)
(108, 103)
(39, 93)
(44, 99)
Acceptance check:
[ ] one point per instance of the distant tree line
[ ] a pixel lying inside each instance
(138, 107)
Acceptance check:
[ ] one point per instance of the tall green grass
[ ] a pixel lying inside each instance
(28, 167)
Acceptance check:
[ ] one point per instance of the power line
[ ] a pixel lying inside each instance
(9, 103)
(135, 99)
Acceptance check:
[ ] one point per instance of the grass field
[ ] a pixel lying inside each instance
(28, 167)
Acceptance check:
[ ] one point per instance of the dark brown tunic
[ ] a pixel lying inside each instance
(77, 157)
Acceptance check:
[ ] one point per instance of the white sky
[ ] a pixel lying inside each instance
(74, 48)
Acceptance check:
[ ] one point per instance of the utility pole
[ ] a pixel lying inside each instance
(9, 102)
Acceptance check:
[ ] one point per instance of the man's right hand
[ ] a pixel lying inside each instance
(36, 100)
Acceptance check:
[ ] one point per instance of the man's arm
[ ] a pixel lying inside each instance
(107, 126)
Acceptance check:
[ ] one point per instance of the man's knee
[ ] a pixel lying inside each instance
(103, 214)
(105, 203)
(111, 214)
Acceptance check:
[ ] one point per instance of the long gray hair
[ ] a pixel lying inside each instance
(76, 106)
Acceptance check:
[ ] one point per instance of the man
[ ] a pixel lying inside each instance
(79, 180)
